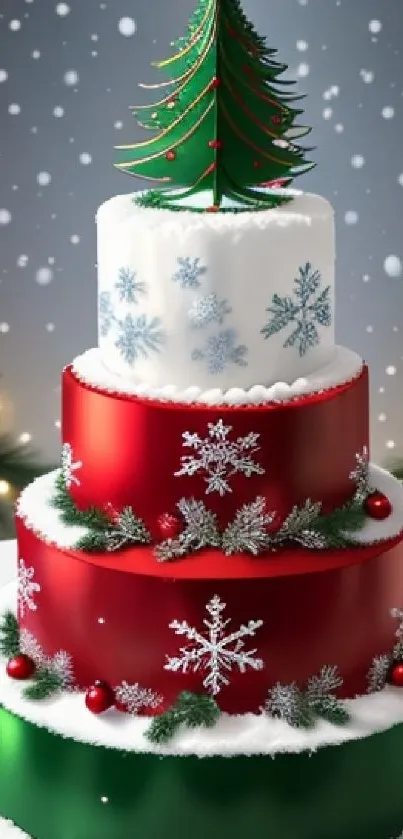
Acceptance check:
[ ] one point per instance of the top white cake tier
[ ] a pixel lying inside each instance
(216, 300)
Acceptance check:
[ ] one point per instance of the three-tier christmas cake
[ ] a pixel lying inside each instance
(206, 638)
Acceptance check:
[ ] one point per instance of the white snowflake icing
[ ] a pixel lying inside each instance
(106, 313)
(221, 350)
(310, 308)
(213, 650)
(219, 457)
(189, 272)
(27, 588)
(138, 337)
(69, 466)
(128, 286)
(208, 309)
(135, 698)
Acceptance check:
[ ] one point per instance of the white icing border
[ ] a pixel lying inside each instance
(249, 734)
(8, 830)
(34, 507)
(344, 366)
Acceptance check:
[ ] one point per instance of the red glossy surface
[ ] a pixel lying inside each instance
(131, 449)
(336, 612)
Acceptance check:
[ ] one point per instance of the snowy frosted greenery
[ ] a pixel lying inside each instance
(191, 710)
(9, 636)
(301, 707)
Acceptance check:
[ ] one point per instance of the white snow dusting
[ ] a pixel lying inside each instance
(127, 26)
(44, 276)
(393, 266)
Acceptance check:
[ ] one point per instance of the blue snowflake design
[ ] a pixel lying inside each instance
(138, 337)
(310, 307)
(207, 310)
(189, 272)
(129, 287)
(222, 350)
(106, 313)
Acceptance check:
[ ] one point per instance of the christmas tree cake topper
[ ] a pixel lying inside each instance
(223, 124)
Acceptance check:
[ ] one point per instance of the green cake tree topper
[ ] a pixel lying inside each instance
(224, 122)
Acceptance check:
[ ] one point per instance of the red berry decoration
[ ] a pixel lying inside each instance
(170, 155)
(99, 697)
(213, 209)
(169, 526)
(378, 506)
(396, 675)
(276, 120)
(216, 82)
(257, 164)
(215, 144)
(20, 667)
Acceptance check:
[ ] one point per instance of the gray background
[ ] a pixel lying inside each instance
(47, 232)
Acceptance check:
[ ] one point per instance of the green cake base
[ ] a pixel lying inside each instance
(56, 788)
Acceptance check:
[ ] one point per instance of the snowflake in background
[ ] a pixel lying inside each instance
(27, 588)
(221, 350)
(219, 457)
(135, 698)
(208, 309)
(69, 466)
(138, 337)
(106, 313)
(128, 286)
(213, 650)
(189, 272)
(310, 307)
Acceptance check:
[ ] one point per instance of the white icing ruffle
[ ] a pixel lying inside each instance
(344, 366)
(249, 734)
(35, 508)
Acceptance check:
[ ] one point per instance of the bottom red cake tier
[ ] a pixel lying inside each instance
(232, 627)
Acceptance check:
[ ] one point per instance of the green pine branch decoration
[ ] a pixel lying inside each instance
(45, 683)
(225, 122)
(302, 707)
(190, 709)
(9, 636)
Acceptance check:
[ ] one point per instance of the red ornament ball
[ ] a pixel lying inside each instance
(215, 144)
(169, 526)
(213, 209)
(396, 674)
(20, 667)
(99, 697)
(216, 82)
(170, 155)
(378, 506)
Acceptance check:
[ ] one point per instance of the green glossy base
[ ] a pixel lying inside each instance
(56, 788)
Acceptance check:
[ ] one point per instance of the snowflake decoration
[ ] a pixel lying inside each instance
(221, 350)
(284, 703)
(27, 588)
(360, 476)
(219, 457)
(31, 647)
(213, 650)
(311, 307)
(69, 466)
(208, 309)
(189, 272)
(138, 337)
(128, 286)
(135, 698)
(106, 313)
(61, 664)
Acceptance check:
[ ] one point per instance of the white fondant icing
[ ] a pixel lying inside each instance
(183, 296)
(8, 830)
(35, 508)
(344, 366)
(249, 734)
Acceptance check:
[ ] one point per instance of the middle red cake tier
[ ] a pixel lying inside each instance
(131, 451)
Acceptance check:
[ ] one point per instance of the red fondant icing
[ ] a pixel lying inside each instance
(328, 608)
(131, 449)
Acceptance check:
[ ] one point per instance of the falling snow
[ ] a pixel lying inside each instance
(44, 276)
(14, 109)
(3, 76)
(58, 111)
(62, 9)
(127, 26)
(388, 112)
(5, 216)
(71, 78)
(375, 26)
(14, 25)
(357, 161)
(351, 217)
(393, 266)
(85, 158)
(43, 178)
(367, 76)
